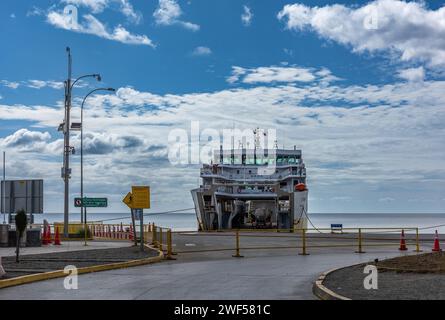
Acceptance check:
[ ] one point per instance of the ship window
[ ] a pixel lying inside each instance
(237, 159)
(279, 160)
(250, 159)
(291, 160)
(226, 160)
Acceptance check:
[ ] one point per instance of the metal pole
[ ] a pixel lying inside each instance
(83, 215)
(134, 228)
(304, 253)
(82, 210)
(85, 226)
(170, 245)
(360, 241)
(153, 236)
(142, 230)
(417, 241)
(4, 188)
(237, 254)
(66, 148)
(160, 239)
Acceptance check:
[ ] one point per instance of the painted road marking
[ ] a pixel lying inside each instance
(190, 245)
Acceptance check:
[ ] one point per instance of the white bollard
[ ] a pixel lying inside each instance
(2, 271)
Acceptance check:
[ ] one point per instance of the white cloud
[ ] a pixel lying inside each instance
(412, 74)
(408, 31)
(246, 16)
(35, 84)
(9, 84)
(168, 13)
(288, 52)
(286, 74)
(98, 6)
(93, 26)
(35, 11)
(361, 139)
(202, 51)
(25, 140)
(38, 84)
(12, 16)
(128, 10)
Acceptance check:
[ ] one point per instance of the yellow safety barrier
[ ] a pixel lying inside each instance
(169, 245)
(356, 237)
(303, 235)
(160, 240)
(360, 241)
(417, 241)
(237, 252)
(303, 239)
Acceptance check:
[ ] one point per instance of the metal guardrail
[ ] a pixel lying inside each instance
(162, 237)
(357, 238)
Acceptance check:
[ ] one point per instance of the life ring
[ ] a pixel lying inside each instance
(300, 187)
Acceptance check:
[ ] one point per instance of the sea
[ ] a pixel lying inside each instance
(426, 222)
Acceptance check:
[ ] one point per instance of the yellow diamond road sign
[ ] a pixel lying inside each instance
(128, 200)
(138, 198)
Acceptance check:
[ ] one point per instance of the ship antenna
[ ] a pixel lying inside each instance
(256, 132)
(233, 136)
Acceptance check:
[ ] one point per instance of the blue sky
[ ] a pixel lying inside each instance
(363, 101)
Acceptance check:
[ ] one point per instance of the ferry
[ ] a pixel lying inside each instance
(251, 189)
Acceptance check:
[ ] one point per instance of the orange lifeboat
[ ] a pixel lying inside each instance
(300, 187)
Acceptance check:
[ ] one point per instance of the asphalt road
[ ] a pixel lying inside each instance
(261, 274)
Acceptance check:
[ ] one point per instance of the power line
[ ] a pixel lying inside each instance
(146, 215)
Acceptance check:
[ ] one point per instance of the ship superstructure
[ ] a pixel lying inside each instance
(244, 188)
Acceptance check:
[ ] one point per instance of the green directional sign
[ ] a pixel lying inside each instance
(91, 202)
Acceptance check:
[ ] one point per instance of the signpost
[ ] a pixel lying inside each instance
(138, 214)
(21, 194)
(137, 200)
(89, 203)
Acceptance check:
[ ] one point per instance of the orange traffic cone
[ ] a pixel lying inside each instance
(48, 235)
(44, 236)
(436, 246)
(402, 241)
(57, 237)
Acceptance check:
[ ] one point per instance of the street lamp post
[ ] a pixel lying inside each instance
(65, 127)
(82, 210)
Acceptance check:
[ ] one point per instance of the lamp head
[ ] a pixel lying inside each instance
(98, 77)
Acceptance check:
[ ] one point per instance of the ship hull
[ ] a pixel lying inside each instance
(225, 211)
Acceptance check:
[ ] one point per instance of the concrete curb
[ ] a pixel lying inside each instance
(322, 292)
(60, 273)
